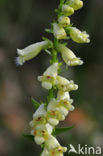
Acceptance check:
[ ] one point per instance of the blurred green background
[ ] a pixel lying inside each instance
(22, 22)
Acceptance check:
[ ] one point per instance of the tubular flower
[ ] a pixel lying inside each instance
(67, 10)
(64, 21)
(63, 99)
(63, 95)
(78, 36)
(53, 148)
(53, 113)
(49, 77)
(59, 31)
(69, 57)
(65, 85)
(31, 51)
(41, 133)
(75, 4)
(58, 108)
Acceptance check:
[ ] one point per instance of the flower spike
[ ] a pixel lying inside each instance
(31, 51)
(57, 107)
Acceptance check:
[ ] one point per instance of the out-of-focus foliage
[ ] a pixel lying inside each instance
(22, 22)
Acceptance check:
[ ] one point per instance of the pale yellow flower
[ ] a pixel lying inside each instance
(78, 36)
(54, 113)
(65, 85)
(49, 76)
(68, 56)
(63, 99)
(31, 51)
(64, 21)
(53, 148)
(75, 4)
(67, 10)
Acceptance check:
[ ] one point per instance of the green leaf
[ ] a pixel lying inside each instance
(67, 38)
(58, 131)
(50, 94)
(45, 39)
(48, 52)
(29, 137)
(48, 30)
(42, 145)
(35, 103)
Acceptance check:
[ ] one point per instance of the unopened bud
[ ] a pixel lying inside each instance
(67, 10)
(59, 31)
(75, 4)
(64, 21)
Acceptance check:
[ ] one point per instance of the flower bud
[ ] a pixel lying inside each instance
(59, 32)
(49, 76)
(75, 4)
(69, 57)
(78, 36)
(67, 10)
(64, 21)
(31, 51)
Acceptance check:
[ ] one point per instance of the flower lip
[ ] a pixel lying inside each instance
(46, 85)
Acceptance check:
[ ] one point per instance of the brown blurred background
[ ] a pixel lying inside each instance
(22, 22)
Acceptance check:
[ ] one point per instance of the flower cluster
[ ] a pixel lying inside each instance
(45, 119)
(48, 116)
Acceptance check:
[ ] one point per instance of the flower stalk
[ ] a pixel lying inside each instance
(57, 107)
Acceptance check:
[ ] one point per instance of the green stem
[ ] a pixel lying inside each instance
(54, 56)
(50, 94)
